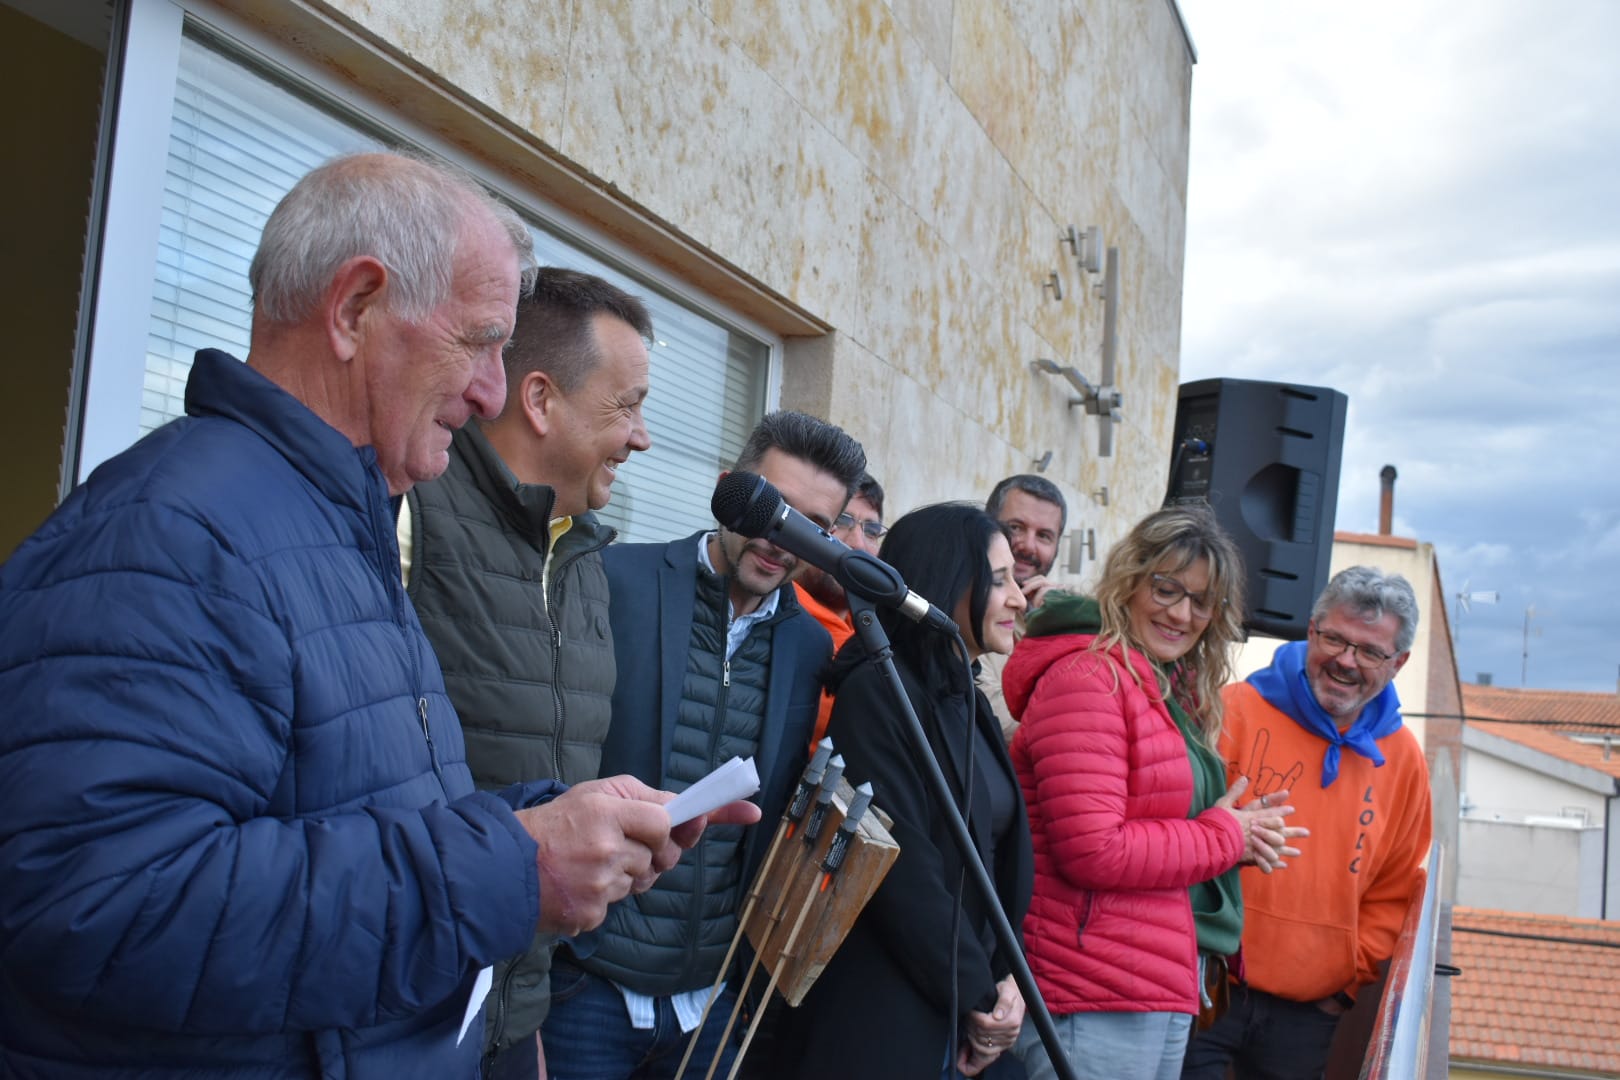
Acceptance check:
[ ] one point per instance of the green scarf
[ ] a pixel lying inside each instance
(1218, 903)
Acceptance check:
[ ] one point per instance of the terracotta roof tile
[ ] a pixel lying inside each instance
(1536, 990)
(1560, 746)
(1570, 710)
(1557, 714)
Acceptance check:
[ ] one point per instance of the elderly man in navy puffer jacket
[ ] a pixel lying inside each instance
(238, 833)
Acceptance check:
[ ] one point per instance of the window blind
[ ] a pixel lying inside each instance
(239, 140)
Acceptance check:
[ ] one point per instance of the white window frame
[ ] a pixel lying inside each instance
(126, 277)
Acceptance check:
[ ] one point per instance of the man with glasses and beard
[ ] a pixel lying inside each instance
(1323, 723)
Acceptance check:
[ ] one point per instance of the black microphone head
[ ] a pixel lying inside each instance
(745, 503)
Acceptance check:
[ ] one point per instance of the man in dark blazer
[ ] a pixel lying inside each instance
(716, 659)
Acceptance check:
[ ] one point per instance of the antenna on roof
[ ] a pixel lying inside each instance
(1524, 668)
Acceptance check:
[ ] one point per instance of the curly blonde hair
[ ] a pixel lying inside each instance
(1166, 542)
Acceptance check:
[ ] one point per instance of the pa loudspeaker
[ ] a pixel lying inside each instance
(1265, 456)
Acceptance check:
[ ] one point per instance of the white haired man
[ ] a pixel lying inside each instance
(240, 835)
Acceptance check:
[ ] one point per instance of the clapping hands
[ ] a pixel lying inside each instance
(1266, 837)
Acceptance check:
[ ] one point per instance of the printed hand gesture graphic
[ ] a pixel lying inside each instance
(1267, 780)
(1265, 836)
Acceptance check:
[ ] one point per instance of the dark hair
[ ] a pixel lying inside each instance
(826, 446)
(942, 551)
(553, 332)
(870, 490)
(1037, 486)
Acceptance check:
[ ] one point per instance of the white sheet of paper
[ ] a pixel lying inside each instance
(736, 779)
(480, 991)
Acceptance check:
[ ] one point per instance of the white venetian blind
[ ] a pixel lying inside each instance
(238, 142)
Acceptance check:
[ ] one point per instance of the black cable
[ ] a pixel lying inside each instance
(1523, 936)
(1175, 463)
(1578, 726)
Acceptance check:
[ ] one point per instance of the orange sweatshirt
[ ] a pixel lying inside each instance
(841, 632)
(1324, 923)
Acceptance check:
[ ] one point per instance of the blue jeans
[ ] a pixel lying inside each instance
(588, 1035)
(520, 1061)
(1111, 1045)
(1263, 1037)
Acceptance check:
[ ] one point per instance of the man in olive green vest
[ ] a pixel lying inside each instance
(502, 558)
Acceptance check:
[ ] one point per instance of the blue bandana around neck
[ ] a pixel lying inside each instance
(1285, 686)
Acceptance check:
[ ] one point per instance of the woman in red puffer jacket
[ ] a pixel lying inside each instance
(1133, 827)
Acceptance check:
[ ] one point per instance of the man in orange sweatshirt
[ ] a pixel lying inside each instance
(1323, 723)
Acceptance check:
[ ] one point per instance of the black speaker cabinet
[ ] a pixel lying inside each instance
(1265, 456)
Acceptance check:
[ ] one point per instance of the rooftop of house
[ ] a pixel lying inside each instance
(1535, 990)
(1564, 724)
(1566, 710)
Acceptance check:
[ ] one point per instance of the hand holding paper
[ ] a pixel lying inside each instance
(736, 779)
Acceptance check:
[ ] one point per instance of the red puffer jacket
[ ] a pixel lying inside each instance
(1106, 778)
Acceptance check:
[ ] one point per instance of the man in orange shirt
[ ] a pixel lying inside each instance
(861, 527)
(1323, 723)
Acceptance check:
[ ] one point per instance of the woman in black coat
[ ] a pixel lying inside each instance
(887, 1005)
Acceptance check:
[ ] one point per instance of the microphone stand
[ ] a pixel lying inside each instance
(876, 642)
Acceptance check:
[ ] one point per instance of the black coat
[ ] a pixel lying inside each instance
(881, 1007)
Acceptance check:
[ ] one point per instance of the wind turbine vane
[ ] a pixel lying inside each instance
(1466, 600)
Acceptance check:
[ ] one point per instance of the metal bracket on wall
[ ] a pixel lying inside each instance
(1081, 541)
(1102, 402)
(1102, 399)
(1086, 245)
(1054, 285)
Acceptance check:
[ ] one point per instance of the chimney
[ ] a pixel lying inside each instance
(1484, 678)
(1386, 500)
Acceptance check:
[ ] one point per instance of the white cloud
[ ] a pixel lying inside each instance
(1412, 202)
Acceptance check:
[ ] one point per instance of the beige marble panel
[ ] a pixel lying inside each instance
(1052, 103)
(1161, 104)
(808, 61)
(929, 21)
(997, 78)
(511, 57)
(862, 402)
(900, 169)
(975, 197)
(668, 109)
(1145, 190)
(859, 72)
(902, 283)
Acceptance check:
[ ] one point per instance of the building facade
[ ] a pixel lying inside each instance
(857, 208)
(1540, 816)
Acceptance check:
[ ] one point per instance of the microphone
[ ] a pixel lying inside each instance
(750, 506)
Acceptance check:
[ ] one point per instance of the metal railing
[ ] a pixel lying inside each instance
(1400, 1046)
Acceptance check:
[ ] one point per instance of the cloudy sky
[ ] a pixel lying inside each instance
(1418, 203)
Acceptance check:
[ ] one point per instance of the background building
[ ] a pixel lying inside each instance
(1540, 814)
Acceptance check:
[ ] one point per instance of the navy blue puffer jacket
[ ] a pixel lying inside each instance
(237, 833)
